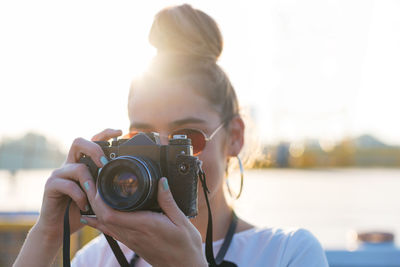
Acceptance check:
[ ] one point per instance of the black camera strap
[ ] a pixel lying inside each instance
(117, 251)
(227, 240)
(212, 261)
(219, 262)
(66, 243)
(66, 236)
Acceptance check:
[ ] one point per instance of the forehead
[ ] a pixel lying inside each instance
(162, 106)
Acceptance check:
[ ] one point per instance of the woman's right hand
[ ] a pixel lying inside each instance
(45, 237)
(68, 182)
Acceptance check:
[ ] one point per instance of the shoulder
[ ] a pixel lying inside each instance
(299, 247)
(304, 249)
(98, 253)
(277, 247)
(273, 236)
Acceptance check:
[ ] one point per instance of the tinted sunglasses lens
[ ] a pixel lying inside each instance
(197, 137)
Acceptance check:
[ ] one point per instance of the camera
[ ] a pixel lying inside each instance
(129, 181)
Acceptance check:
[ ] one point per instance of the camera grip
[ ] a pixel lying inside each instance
(183, 179)
(93, 169)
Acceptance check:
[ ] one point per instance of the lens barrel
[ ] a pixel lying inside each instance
(129, 183)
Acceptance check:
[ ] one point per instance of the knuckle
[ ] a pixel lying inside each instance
(78, 196)
(76, 190)
(81, 169)
(49, 183)
(94, 148)
(70, 187)
(98, 149)
(77, 141)
(54, 173)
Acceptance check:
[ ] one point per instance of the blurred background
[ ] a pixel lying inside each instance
(320, 80)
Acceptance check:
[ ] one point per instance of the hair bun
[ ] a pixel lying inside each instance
(184, 30)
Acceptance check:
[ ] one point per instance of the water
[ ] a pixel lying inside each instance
(330, 203)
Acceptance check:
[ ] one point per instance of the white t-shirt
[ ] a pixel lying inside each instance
(255, 247)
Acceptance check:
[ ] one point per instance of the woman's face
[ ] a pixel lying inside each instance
(171, 108)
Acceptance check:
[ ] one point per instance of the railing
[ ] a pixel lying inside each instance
(14, 227)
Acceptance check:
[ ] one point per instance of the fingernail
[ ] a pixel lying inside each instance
(86, 185)
(103, 160)
(83, 221)
(87, 208)
(165, 184)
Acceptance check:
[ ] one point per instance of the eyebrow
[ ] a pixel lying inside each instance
(186, 121)
(139, 125)
(177, 123)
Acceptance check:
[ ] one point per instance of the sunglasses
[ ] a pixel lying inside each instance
(198, 137)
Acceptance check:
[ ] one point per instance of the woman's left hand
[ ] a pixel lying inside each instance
(168, 239)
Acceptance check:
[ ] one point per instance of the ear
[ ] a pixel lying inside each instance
(236, 136)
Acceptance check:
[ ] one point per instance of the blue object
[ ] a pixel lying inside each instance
(384, 254)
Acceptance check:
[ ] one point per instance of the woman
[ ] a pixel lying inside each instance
(184, 88)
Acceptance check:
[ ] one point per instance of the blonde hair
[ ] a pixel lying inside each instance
(189, 43)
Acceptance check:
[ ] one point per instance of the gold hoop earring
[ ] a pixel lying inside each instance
(241, 180)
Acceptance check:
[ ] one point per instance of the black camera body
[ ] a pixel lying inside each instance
(129, 181)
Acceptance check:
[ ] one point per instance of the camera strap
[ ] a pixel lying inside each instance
(66, 243)
(212, 261)
(216, 262)
(66, 236)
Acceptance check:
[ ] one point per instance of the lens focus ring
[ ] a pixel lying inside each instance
(127, 182)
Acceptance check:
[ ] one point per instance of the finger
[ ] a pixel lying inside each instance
(132, 220)
(82, 146)
(107, 215)
(106, 135)
(69, 188)
(78, 172)
(167, 202)
(107, 218)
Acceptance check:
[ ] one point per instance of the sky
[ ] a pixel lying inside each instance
(303, 69)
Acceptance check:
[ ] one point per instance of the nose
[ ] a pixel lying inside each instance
(164, 138)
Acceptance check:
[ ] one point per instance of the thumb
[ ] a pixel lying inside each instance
(167, 202)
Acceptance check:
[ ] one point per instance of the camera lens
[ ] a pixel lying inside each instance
(129, 183)
(125, 183)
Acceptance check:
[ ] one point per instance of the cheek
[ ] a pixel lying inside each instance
(214, 163)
